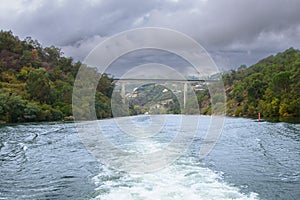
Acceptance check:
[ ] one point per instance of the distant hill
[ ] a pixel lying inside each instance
(153, 99)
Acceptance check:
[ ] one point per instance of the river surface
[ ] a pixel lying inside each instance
(251, 160)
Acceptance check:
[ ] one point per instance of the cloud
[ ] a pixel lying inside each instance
(233, 31)
(80, 49)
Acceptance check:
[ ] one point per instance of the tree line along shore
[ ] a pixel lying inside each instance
(36, 84)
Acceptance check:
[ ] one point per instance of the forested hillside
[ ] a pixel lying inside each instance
(36, 84)
(271, 87)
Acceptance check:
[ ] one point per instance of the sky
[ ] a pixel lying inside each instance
(234, 32)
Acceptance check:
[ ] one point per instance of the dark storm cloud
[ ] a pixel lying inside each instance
(66, 22)
(233, 31)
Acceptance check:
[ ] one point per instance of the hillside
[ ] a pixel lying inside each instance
(153, 99)
(271, 87)
(36, 83)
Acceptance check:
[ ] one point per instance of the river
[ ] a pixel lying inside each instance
(251, 160)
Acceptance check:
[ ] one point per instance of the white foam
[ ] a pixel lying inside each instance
(185, 179)
(182, 180)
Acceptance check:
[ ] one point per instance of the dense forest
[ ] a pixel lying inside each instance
(36, 84)
(271, 87)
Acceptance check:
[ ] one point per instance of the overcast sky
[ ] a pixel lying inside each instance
(234, 32)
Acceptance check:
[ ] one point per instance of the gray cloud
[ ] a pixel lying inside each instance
(80, 49)
(233, 31)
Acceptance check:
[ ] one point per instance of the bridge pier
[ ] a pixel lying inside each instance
(123, 92)
(184, 95)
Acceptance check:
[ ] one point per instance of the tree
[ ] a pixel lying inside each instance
(105, 85)
(31, 112)
(10, 42)
(238, 92)
(15, 108)
(38, 85)
(281, 82)
(52, 55)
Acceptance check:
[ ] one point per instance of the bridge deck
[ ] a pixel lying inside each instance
(163, 80)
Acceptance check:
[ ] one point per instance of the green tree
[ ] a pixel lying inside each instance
(281, 82)
(10, 42)
(31, 112)
(15, 106)
(38, 85)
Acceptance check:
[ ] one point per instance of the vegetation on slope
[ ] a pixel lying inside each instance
(36, 84)
(271, 87)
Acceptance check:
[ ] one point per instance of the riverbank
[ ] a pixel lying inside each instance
(71, 119)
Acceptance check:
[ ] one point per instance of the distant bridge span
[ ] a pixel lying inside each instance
(123, 82)
(163, 80)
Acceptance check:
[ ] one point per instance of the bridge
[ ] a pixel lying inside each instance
(123, 82)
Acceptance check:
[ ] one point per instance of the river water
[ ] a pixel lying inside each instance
(251, 160)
